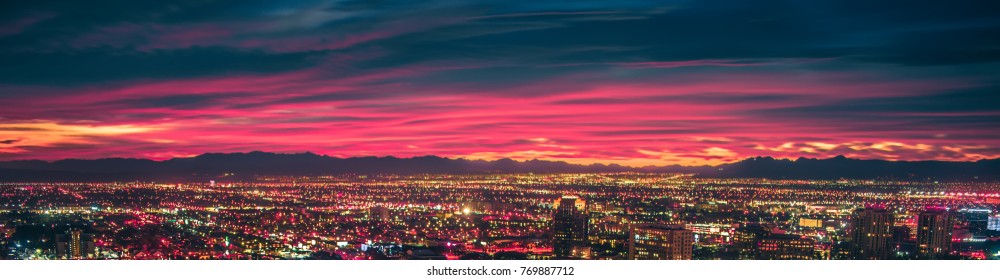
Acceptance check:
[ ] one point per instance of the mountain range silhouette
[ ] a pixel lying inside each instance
(246, 165)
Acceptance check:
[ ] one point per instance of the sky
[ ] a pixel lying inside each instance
(629, 82)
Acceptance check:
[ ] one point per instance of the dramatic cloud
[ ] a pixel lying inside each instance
(628, 82)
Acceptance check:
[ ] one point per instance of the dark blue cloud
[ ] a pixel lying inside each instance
(106, 64)
(513, 33)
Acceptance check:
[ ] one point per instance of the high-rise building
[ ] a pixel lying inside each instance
(934, 231)
(660, 242)
(993, 223)
(976, 219)
(75, 244)
(608, 236)
(569, 226)
(871, 234)
(747, 237)
(785, 247)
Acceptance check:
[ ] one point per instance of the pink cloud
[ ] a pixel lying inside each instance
(581, 120)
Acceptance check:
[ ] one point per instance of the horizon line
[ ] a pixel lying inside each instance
(494, 160)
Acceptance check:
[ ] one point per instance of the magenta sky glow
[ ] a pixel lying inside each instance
(586, 82)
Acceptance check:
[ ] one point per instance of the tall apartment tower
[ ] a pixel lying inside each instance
(569, 226)
(871, 234)
(934, 231)
(660, 242)
(74, 244)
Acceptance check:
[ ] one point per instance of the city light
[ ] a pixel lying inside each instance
(538, 216)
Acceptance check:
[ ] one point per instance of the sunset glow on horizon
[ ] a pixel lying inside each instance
(612, 82)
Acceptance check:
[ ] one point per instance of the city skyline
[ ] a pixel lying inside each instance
(509, 216)
(539, 133)
(612, 82)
